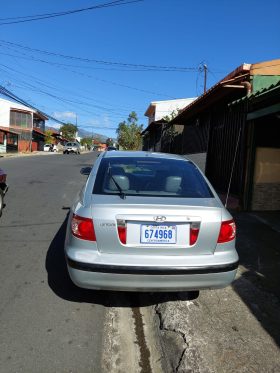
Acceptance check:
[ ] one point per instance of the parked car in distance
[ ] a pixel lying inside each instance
(111, 148)
(3, 189)
(72, 147)
(149, 222)
(50, 148)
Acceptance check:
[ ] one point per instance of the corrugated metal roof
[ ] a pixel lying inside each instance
(265, 91)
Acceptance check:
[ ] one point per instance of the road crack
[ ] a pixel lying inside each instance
(178, 345)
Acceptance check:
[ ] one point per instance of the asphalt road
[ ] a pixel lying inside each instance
(49, 325)
(46, 324)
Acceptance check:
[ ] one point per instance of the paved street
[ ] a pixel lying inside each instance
(49, 325)
(44, 325)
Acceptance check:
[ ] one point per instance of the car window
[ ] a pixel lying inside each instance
(150, 177)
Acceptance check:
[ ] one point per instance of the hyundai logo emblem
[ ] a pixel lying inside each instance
(159, 218)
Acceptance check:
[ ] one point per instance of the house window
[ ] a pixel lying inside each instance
(12, 139)
(20, 119)
(2, 136)
(38, 123)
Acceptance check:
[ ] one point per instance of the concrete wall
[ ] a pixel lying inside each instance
(5, 113)
(164, 108)
(266, 184)
(4, 144)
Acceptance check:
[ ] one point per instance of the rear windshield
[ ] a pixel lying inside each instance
(150, 177)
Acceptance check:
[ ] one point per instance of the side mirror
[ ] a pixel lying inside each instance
(85, 171)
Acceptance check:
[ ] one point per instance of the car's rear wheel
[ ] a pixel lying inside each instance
(1, 201)
(194, 294)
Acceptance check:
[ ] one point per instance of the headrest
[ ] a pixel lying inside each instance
(173, 184)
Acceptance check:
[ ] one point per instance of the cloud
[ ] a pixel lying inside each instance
(53, 124)
(64, 115)
(102, 122)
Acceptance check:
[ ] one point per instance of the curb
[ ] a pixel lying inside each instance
(37, 153)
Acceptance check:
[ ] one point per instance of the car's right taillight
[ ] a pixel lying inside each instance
(194, 231)
(83, 228)
(227, 231)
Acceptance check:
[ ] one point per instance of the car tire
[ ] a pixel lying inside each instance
(192, 295)
(1, 202)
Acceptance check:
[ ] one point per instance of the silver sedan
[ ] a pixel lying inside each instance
(149, 222)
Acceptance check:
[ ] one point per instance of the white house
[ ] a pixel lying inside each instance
(21, 127)
(157, 110)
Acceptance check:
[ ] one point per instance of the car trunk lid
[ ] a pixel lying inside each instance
(143, 225)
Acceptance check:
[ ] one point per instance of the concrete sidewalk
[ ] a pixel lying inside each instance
(37, 153)
(14, 155)
(236, 329)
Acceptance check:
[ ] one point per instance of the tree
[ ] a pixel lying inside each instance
(129, 133)
(109, 142)
(69, 131)
(172, 115)
(49, 138)
(86, 141)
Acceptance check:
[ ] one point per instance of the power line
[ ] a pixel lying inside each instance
(31, 87)
(23, 19)
(98, 79)
(103, 62)
(11, 95)
(56, 88)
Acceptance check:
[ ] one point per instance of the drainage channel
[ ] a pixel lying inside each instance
(130, 338)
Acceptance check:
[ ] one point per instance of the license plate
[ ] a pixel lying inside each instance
(158, 234)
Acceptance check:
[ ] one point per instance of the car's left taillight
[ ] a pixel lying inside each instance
(122, 231)
(83, 228)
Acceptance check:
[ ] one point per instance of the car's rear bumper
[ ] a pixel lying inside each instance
(132, 278)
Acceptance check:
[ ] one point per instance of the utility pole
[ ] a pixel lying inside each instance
(205, 69)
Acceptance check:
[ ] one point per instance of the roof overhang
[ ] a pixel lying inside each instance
(40, 115)
(227, 85)
(7, 129)
(37, 114)
(214, 94)
(40, 132)
(151, 109)
(153, 125)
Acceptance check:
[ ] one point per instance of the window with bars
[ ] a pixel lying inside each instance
(20, 119)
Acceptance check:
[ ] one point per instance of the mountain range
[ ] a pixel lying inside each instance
(83, 133)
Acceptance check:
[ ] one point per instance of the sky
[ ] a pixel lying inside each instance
(94, 67)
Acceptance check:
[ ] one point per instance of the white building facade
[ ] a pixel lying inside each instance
(157, 110)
